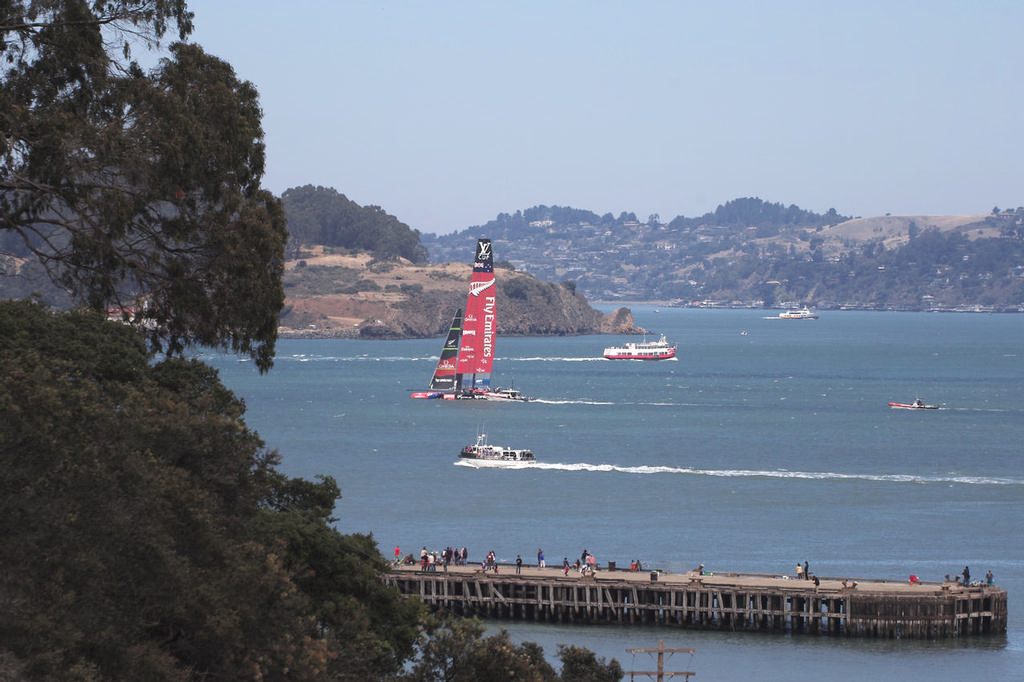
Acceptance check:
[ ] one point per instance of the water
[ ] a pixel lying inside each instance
(765, 443)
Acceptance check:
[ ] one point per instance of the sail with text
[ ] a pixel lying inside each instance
(464, 370)
(476, 351)
(445, 375)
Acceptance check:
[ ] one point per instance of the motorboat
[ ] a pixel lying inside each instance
(500, 393)
(483, 454)
(918, 404)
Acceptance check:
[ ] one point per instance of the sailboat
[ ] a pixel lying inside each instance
(467, 357)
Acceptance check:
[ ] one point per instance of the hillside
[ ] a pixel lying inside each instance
(895, 231)
(332, 294)
(752, 253)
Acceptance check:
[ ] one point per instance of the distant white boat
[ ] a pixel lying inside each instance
(798, 314)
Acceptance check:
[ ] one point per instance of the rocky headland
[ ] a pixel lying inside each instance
(330, 295)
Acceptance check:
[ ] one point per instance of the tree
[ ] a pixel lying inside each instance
(318, 215)
(457, 651)
(372, 630)
(582, 665)
(147, 534)
(139, 191)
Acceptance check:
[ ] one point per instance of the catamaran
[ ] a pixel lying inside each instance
(467, 357)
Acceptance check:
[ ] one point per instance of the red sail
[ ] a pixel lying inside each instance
(476, 352)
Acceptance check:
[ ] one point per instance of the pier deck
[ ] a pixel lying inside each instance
(720, 601)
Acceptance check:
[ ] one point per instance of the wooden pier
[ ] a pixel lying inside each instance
(723, 601)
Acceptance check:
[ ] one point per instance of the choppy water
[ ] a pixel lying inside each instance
(765, 443)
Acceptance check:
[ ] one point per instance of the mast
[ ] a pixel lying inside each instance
(476, 351)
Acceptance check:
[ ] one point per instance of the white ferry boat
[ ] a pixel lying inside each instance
(645, 350)
(801, 314)
(483, 454)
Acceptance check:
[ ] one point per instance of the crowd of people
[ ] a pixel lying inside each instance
(430, 561)
(587, 565)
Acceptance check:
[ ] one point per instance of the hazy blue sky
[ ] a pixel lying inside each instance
(448, 113)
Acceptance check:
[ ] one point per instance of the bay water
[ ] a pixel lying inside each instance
(765, 443)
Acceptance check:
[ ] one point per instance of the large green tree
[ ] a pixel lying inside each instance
(147, 534)
(139, 190)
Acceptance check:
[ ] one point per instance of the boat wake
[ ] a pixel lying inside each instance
(303, 357)
(945, 479)
(571, 402)
(559, 359)
(582, 401)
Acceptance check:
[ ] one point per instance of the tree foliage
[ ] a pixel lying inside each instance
(320, 215)
(456, 650)
(139, 190)
(147, 534)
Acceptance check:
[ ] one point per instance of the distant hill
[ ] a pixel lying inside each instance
(322, 216)
(748, 252)
(330, 293)
(758, 254)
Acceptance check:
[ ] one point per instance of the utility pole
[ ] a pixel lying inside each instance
(660, 673)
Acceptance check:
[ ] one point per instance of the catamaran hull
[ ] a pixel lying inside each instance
(471, 395)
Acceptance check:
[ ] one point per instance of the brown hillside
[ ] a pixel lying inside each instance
(335, 294)
(895, 230)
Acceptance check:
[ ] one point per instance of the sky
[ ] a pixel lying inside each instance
(446, 114)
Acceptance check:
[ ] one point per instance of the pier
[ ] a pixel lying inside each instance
(719, 601)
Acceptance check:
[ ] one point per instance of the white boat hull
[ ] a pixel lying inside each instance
(496, 463)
